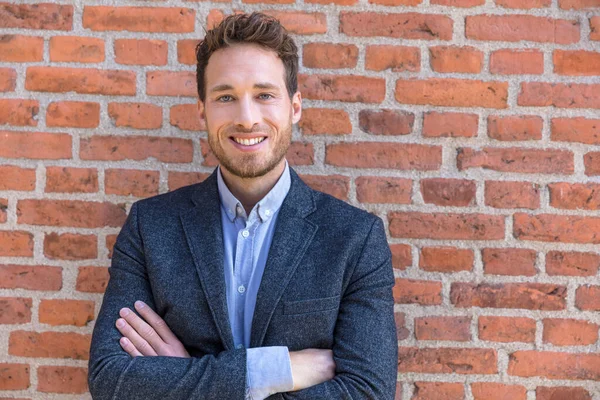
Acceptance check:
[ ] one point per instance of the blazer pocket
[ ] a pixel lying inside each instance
(310, 305)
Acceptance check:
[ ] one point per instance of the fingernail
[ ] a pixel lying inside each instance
(139, 304)
(124, 341)
(124, 312)
(120, 323)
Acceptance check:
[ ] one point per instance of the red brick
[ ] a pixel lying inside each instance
(117, 148)
(19, 112)
(517, 62)
(66, 312)
(447, 124)
(328, 121)
(335, 185)
(466, 59)
(524, 4)
(402, 156)
(515, 128)
(579, 129)
(561, 95)
(576, 62)
(92, 279)
(301, 23)
(30, 277)
(16, 244)
(214, 17)
(506, 329)
(396, 58)
(578, 4)
(452, 93)
(572, 196)
(71, 180)
(73, 114)
(379, 189)
(554, 365)
(80, 80)
(572, 263)
(186, 51)
(448, 192)
(135, 115)
(557, 228)
(569, 332)
(14, 376)
(516, 28)
(179, 179)
(186, 117)
(329, 55)
(76, 49)
(15, 310)
(443, 328)
(49, 345)
(141, 52)
(396, 2)
(401, 331)
(507, 194)
(591, 161)
(529, 296)
(62, 379)
(36, 16)
(595, 28)
(126, 182)
(171, 83)
(73, 213)
(442, 226)
(458, 3)
(557, 393)
(3, 207)
(446, 259)
(515, 159)
(401, 256)
(497, 391)
(110, 244)
(447, 360)
(347, 88)
(139, 19)
(438, 390)
(339, 2)
(8, 80)
(16, 178)
(410, 291)
(70, 246)
(386, 122)
(19, 48)
(405, 25)
(509, 261)
(587, 298)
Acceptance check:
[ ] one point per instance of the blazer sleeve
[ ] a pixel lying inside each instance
(365, 343)
(113, 374)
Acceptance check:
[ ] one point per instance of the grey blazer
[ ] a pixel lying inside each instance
(327, 284)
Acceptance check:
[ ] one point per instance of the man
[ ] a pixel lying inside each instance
(248, 284)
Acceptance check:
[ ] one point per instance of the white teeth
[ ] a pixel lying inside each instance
(249, 142)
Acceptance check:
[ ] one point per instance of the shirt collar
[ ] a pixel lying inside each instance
(265, 208)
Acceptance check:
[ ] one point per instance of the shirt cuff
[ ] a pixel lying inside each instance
(269, 371)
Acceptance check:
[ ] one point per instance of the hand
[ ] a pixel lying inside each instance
(311, 367)
(152, 338)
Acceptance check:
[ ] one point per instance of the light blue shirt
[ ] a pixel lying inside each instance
(247, 239)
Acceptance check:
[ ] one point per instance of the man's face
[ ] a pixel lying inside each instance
(247, 109)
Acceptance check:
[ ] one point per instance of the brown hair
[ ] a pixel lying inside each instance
(254, 28)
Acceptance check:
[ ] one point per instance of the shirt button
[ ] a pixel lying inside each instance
(245, 233)
(241, 289)
(267, 212)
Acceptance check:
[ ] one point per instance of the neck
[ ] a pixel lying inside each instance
(250, 191)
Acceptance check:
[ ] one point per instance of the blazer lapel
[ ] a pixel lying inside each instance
(203, 231)
(293, 234)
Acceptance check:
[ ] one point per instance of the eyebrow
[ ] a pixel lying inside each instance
(261, 85)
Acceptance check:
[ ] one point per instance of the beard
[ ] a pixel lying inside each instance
(255, 164)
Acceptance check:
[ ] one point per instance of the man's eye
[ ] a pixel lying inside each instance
(265, 96)
(224, 99)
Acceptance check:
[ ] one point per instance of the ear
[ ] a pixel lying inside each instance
(201, 109)
(296, 107)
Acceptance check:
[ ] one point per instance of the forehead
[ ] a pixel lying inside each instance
(244, 64)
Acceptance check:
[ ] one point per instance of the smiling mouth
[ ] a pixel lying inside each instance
(248, 142)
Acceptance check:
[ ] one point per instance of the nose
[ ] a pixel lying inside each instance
(248, 113)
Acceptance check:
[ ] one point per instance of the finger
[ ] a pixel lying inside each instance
(143, 329)
(129, 347)
(140, 344)
(155, 321)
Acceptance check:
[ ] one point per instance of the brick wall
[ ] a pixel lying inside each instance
(472, 127)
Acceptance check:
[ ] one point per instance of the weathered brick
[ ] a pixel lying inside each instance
(329, 55)
(404, 25)
(16, 178)
(19, 112)
(186, 117)
(401, 331)
(587, 298)
(335, 185)
(80, 80)
(141, 52)
(448, 192)
(524, 4)
(30, 277)
(401, 256)
(497, 391)
(396, 2)
(554, 365)
(20, 48)
(36, 16)
(515, 159)
(515, 128)
(438, 390)
(444, 226)
(396, 58)
(572, 263)
(62, 379)
(139, 19)
(386, 122)
(186, 51)
(325, 121)
(179, 179)
(509, 261)
(452, 92)
(517, 62)
(443, 328)
(66, 312)
(516, 28)
(70, 246)
(447, 360)
(301, 23)
(73, 213)
(117, 148)
(460, 59)
(578, 4)
(530, 296)
(556, 228)
(8, 80)
(126, 182)
(346, 88)
(508, 194)
(595, 28)
(578, 129)
(591, 162)
(447, 124)
(569, 332)
(15, 310)
(71, 180)
(506, 329)
(446, 259)
(572, 196)
(171, 83)
(561, 95)
(135, 115)
(403, 156)
(76, 49)
(92, 279)
(3, 212)
(576, 62)
(110, 244)
(379, 189)
(554, 393)
(49, 344)
(410, 291)
(16, 244)
(73, 114)
(14, 376)
(458, 3)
